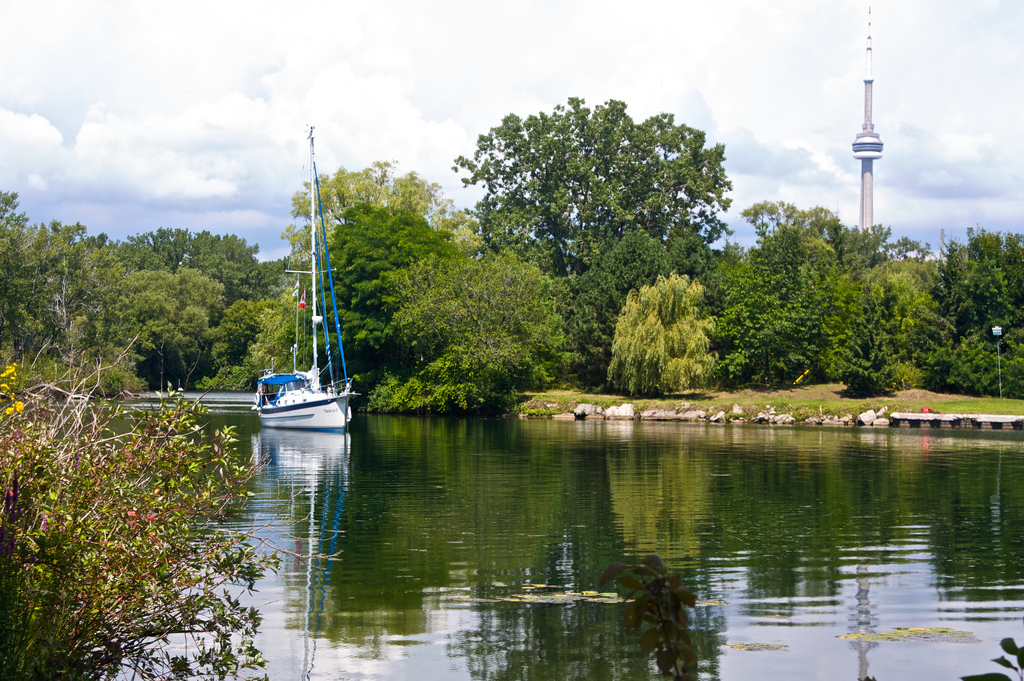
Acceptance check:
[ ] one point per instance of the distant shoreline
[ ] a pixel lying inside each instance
(822, 402)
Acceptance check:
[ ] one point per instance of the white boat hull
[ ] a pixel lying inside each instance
(308, 412)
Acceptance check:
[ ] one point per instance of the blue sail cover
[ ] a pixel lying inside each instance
(281, 379)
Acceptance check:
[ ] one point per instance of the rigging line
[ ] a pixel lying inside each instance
(334, 301)
(295, 348)
(330, 278)
(323, 296)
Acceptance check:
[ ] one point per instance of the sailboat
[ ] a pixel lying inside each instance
(315, 399)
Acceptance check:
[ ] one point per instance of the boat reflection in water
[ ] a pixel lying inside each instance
(312, 473)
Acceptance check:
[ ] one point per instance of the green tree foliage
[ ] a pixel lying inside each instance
(594, 300)
(561, 188)
(788, 303)
(14, 260)
(895, 331)
(226, 259)
(866, 364)
(368, 244)
(55, 281)
(238, 332)
(479, 331)
(898, 291)
(170, 317)
(379, 186)
(661, 341)
(73, 278)
(804, 298)
(973, 293)
(116, 560)
(972, 288)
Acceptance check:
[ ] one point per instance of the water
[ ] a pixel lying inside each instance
(794, 535)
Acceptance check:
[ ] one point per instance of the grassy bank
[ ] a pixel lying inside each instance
(801, 402)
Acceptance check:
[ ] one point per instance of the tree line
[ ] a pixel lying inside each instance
(597, 258)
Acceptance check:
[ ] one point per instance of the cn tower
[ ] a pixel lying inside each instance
(867, 147)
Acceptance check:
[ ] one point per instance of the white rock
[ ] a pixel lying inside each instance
(585, 410)
(622, 411)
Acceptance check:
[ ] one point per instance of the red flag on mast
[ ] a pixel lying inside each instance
(302, 300)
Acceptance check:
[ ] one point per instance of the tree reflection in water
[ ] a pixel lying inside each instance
(786, 529)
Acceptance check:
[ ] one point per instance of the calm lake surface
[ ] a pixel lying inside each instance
(793, 536)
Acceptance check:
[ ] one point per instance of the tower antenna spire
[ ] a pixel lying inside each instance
(867, 56)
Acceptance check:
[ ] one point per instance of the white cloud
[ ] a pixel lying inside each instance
(130, 116)
(30, 147)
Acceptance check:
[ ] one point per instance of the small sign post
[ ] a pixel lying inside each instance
(997, 331)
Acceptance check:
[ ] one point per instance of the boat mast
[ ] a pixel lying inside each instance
(315, 371)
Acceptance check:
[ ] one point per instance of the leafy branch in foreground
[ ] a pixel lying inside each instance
(1009, 646)
(656, 605)
(115, 559)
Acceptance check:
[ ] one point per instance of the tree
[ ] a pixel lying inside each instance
(594, 300)
(236, 335)
(971, 289)
(379, 186)
(562, 188)
(479, 332)
(661, 341)
(788, 303)
(55, 280)
(170, 317)
(973, 294)
(906, 313)
(73, 277)
(227, 259)
(866, 364)
(369, 243)
(14, 260)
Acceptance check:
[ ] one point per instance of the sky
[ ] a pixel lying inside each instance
(130, 116)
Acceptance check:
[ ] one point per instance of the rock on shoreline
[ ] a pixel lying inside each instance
(770, 416)
(684, 412)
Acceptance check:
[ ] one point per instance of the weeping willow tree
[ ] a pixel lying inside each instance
(661, 343)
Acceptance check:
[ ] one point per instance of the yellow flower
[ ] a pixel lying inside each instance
(19, 407)
(10, 410)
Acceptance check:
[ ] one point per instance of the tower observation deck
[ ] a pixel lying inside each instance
(867, 147)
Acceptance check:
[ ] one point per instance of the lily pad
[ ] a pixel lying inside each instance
(548, 595)
(561, 597)
(934, 634)
(756, 647)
